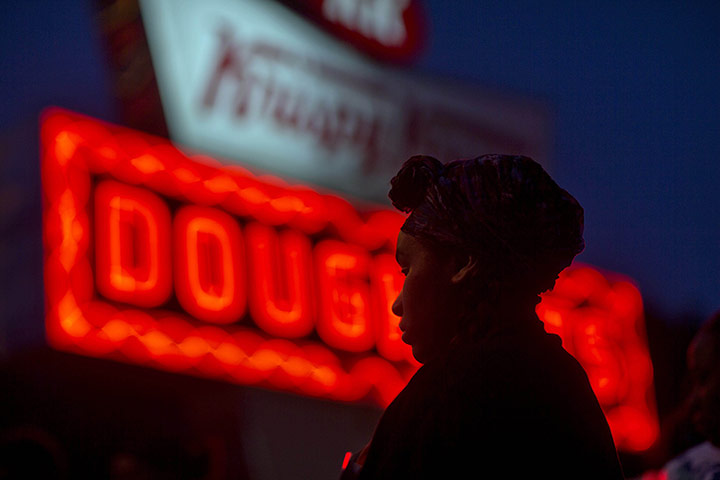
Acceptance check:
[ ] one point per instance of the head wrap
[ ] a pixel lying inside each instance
(506, 209)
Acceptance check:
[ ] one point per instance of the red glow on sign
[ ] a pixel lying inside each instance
(209, 265)
(158, 259)
(387, 281)
(600, 320)
(344, 320)
(239, 244)
(281, 302)
(132, 228)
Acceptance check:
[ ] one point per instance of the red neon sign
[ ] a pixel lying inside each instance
(599, 317)
(186, 265)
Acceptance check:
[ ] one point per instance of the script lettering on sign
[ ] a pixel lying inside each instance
(254, 82)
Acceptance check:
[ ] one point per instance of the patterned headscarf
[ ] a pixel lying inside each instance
(505, 209)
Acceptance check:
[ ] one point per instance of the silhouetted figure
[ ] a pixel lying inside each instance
(702, 462)
(497, 397)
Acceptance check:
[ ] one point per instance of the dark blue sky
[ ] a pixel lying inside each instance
(631, 87)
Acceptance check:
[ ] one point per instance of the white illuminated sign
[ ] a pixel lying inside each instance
(382, 21)
(254, 83)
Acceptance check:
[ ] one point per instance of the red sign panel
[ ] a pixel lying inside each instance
(391, 30)
(182, 264)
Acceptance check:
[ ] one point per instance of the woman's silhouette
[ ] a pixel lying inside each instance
(496, 397)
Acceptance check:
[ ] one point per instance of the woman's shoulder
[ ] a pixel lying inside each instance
(516, 351)
(523, 373)
(528, 390)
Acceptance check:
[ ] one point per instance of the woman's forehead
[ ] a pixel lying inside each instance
(406, 244)
(409, 247)
(401, 246)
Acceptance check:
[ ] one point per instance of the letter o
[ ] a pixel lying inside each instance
(209, 264)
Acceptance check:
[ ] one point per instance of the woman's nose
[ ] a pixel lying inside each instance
(397, 305)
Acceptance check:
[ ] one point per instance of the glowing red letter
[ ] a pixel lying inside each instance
(209, 264)
(387, 281)
(344, 320)
(132, 251)
(279, 270)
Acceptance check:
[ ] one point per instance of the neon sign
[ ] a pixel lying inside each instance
(599, 317)
(182, 264)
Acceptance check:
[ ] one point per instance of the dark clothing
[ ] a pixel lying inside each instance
(513, 404)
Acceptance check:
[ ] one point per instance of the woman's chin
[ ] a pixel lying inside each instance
(419, 354)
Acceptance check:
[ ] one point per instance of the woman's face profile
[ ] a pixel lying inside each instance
(427, 303)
